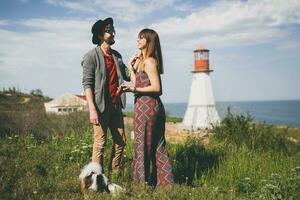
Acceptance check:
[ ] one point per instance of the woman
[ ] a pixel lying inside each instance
(149, 114)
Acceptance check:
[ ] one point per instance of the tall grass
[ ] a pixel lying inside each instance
(243, 160)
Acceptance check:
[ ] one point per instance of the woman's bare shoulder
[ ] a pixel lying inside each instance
(150, 62)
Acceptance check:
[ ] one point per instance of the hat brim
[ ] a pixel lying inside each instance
(95, 39)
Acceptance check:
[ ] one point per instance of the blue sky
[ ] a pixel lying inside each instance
(254, 45)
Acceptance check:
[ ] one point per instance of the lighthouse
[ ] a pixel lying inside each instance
(201, 111)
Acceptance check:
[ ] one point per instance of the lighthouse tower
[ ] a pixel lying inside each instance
(201, 111)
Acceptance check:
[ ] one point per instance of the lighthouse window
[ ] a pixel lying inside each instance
(204, 55)
(201, 55)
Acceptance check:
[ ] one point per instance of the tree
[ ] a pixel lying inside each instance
(36, 92)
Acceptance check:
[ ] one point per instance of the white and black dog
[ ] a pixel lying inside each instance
(92, 178)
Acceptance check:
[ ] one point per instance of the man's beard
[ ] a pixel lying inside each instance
(110, 40)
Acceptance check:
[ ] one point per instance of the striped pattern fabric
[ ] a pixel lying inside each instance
(151, 163)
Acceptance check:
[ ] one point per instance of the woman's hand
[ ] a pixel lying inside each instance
(134, 61)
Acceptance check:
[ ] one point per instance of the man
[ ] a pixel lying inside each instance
(103, 72)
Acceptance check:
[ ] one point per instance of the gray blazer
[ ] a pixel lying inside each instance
(94, 75)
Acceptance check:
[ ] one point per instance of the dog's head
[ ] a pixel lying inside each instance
(92, 178)
(96, 182)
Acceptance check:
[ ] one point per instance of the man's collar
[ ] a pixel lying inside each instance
(106, 53)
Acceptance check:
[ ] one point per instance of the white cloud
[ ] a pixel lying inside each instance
(125, 10)
(49, 55)
(78, 6)
(234, 22)
(42, 58)
(4, 22)
(291, 44)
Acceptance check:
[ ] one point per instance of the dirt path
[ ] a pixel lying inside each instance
(25, 100)
(177, 135)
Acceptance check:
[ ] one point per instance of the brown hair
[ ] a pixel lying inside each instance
(153, 48)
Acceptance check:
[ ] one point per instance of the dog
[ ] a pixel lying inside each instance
(92, 178)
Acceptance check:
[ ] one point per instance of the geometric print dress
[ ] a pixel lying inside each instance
(151, 163)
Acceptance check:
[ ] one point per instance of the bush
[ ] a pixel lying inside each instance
(240, 130)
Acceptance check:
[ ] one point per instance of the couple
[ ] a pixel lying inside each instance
(103, 76)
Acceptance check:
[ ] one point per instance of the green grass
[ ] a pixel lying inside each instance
(35, 169)
(42, 159)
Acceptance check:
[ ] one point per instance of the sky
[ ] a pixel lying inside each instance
(254, 45)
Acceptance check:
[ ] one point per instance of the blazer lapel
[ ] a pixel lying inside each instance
(101, 59)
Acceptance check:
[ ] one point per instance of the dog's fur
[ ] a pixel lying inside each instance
(92, 178)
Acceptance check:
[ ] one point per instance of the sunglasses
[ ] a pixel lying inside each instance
(110, 30)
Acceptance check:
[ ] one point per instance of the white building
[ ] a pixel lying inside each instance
(201, 112)
(66, 103)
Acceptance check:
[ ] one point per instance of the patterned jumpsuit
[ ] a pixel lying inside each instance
(149, 142)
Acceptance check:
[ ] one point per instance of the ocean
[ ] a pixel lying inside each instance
(285, 112)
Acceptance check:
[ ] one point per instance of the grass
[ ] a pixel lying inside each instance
(43, 161)
(33, 169)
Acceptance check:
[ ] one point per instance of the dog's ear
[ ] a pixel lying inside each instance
(86, 182)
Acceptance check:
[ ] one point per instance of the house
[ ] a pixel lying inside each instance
(66, 103)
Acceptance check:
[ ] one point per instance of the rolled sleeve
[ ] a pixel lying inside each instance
(88, 75)
(126, 73)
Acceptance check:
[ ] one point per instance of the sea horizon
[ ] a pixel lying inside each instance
(277, 112)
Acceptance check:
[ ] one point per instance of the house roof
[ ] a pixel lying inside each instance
(82, 97)
(68, 99)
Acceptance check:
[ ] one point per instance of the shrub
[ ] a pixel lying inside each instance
(239, 130)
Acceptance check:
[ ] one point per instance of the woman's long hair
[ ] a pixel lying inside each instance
(153, 49)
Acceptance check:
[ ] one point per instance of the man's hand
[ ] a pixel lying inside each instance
(127, 88)
(94, 117)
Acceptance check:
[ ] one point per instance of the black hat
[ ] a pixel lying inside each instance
(98, 28)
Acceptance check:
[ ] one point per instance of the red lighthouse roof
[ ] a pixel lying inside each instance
(201, 49)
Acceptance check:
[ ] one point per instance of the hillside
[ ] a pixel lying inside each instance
(18, 101)
(41, 157)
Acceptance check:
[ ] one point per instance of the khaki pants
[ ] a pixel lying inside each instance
(111, 118)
